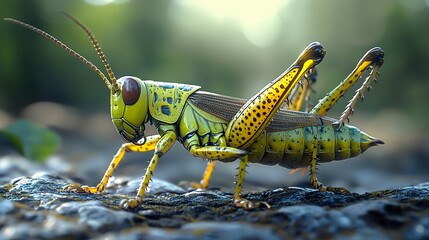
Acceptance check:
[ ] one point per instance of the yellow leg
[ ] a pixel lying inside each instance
(126, 147)
(302, 92)
(162, 146)
(359, 94)
(313, 169)
(204, 183)
(371, 58)
(239, 201)
(213, 153)
(313, 174)
(216, 152)
(297, 96)
(257, 113)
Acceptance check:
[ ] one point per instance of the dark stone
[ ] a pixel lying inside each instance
(33, 207)
(6, 207)
(100, 218)
(419, 230)
(384, 213)
(50, 227)
(233, 231)
(130, 186)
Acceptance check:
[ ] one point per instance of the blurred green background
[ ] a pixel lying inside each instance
(227, 47)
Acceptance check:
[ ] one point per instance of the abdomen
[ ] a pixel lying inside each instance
(293, 149)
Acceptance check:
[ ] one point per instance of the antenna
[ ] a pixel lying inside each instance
(71, 51)
(97, 49)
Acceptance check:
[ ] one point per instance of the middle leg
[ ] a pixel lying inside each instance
(238, 201)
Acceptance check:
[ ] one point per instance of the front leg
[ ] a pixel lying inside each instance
(126, 147)
(163, 145)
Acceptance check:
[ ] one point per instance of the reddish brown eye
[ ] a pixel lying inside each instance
(130, 91)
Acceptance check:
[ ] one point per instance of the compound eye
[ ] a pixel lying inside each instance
(130, 91)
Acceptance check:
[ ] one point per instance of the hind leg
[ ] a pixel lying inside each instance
(251, 120)
(373, 59)
(302, 92)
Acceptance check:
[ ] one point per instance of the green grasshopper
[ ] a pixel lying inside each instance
(261, 130)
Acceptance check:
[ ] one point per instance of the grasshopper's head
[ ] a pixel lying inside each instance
(129, 105)
(129, 108)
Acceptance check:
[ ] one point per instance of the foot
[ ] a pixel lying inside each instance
(338, 190)
(131, 203)
(323, 188)
(248, 205)
(193, 185)
(78, 188)
(197, 185)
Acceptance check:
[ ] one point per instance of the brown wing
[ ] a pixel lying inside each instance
(226, 107)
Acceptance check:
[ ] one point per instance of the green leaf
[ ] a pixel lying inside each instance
(32, 140)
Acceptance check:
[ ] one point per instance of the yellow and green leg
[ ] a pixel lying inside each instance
(372, 60)
(162, 146)
(238, 201)
(252, 119)
(259, 110)
(213, 153)
(313, 174)
(302, 92)
(204, 183)
(126, 147)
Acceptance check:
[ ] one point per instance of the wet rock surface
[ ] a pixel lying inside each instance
(34, 207)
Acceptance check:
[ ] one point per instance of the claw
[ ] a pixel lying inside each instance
(248, 205)
(324, 188)
(131, 203)
(78, 188)
(196, 185)
(71, 187)
(338, 190)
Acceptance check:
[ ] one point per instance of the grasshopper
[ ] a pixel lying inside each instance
(261, 130)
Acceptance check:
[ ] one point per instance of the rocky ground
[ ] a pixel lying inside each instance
(32, 206)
